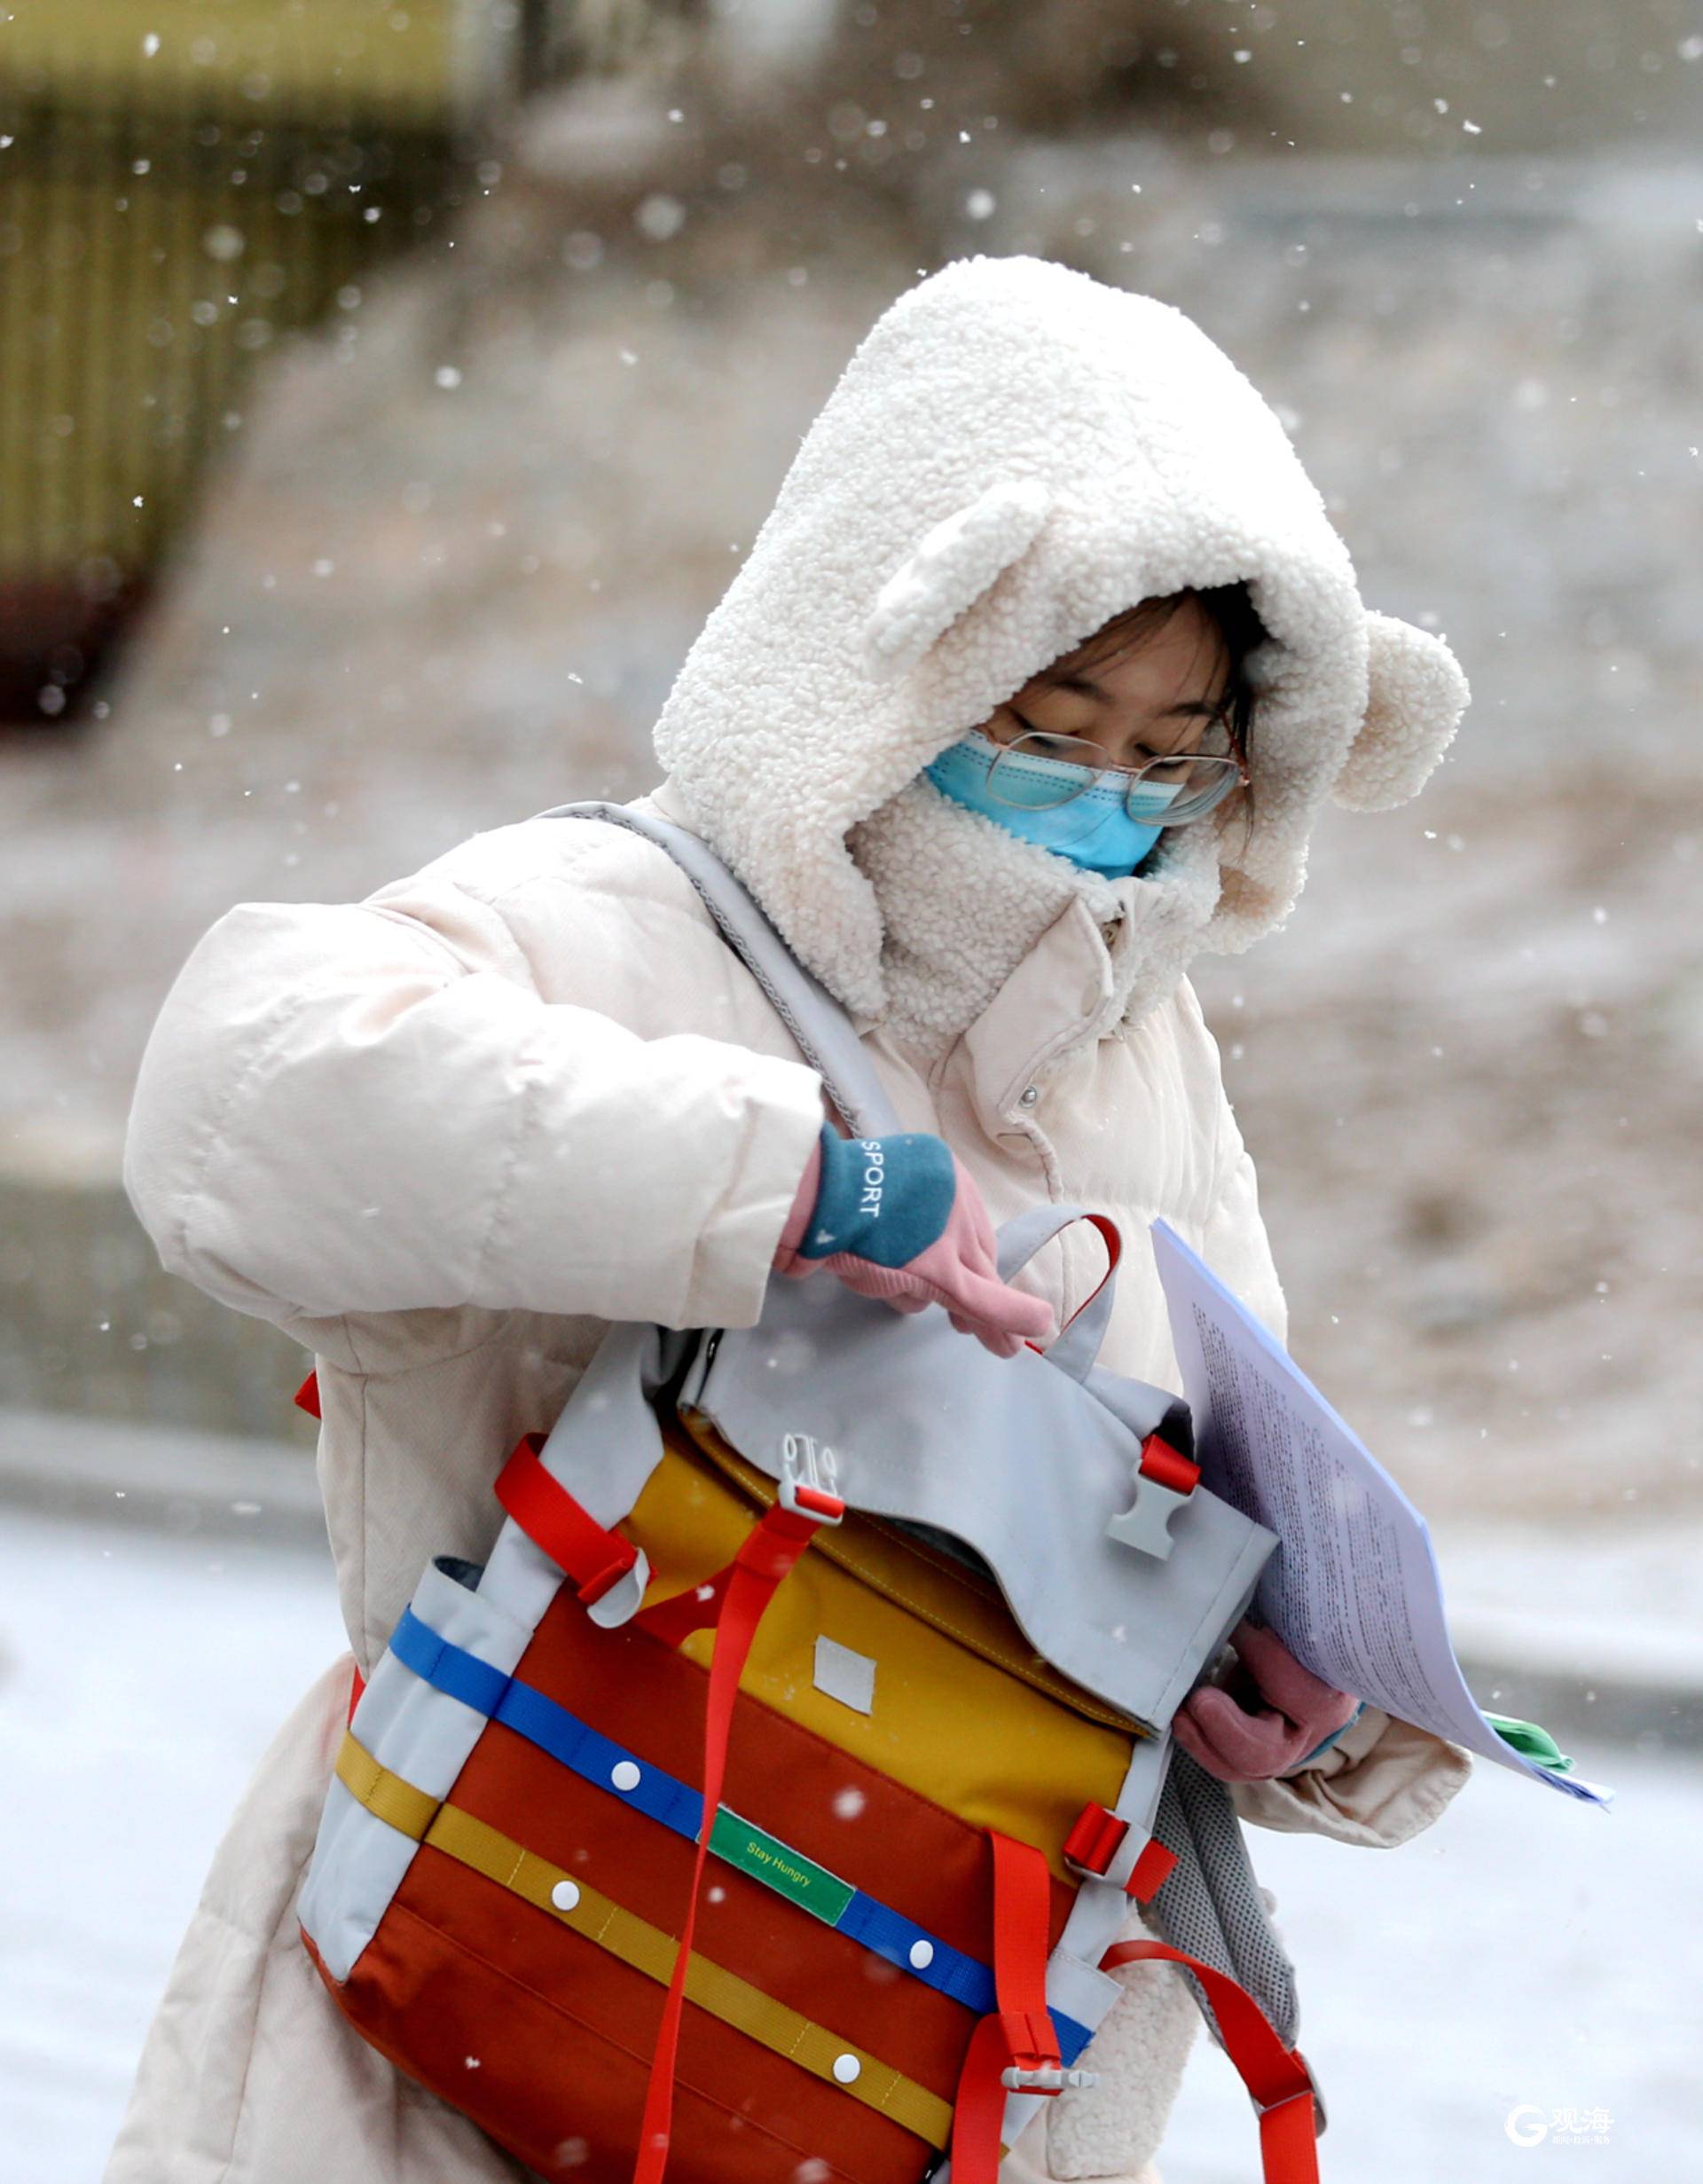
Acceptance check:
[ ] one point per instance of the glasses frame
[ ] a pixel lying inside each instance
(1235, 774)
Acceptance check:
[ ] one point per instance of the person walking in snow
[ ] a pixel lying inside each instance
(1030, 690)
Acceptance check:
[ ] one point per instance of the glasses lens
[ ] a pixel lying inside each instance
(1037, 772)
(1200, 780)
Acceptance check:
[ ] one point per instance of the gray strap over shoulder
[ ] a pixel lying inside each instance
(1210, 1905)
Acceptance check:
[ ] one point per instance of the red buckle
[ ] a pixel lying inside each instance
(1093, 1840)
(811, 1501)
(602, 1581)
(1034, 2064)
(808, 1471)
(1038, 2068)
(1161, 1463)
(1097, 1839)
(594, 1558)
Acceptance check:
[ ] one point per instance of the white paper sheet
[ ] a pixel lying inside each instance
(1353, 1589)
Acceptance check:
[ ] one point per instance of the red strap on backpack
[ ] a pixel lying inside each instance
(769, 1552)
(593, 1557)
(1019, 2040)
(1278, 2081)
(674, 1620)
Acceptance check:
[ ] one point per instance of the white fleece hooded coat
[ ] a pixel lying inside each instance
(445, 1136)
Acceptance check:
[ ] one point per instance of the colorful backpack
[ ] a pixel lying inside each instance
(771, 1801)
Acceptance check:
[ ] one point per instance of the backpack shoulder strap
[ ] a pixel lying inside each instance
(809, 1011)
(1212, 1906)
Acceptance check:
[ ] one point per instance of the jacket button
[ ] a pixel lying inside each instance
(921, 1954)
(624, 1775)
(565, 1895)
(1030, 1094)
(847, 2070)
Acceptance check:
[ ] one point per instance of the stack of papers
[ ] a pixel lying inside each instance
(1353, 1589)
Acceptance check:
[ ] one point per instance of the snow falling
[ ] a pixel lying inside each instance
(382, 416)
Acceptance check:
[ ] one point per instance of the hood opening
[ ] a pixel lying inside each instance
(1015, 454)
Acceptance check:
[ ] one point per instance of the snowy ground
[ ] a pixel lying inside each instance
(1506, 1960)
(140, 1677)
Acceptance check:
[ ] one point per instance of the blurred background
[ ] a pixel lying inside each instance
(388, 390)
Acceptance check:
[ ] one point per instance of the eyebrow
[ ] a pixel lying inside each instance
(1086, 689)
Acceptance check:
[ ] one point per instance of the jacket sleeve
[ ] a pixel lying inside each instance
(1381, 1783)
(369, 1108)
(1376, 1783)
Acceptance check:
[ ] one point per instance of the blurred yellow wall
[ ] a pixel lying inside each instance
(275, 57)
(180, 184)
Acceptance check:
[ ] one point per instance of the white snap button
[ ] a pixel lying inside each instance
(921, 1954)
(1030, 1094)
(846, 2068)
(565, 1895)
(625, 1774)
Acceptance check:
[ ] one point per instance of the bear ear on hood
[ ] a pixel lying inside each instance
(1416, 696)
(948, 570)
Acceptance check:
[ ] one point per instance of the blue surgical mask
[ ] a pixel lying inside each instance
(1095, 830)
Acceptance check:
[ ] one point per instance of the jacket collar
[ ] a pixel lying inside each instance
(963, 901)
(1110, 950)
(1069, 991)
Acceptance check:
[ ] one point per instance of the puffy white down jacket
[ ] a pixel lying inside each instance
(443, 1138)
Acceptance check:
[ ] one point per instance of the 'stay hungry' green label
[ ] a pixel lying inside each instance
(754, 1853)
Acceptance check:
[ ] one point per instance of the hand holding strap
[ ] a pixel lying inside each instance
(1078, 1341)
(901, 1218)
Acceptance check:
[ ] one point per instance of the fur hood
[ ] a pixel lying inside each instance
(1014, 453)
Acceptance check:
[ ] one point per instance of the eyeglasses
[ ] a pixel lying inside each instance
(1037, 771)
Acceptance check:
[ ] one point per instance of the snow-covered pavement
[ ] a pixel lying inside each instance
(140, 1677)
(1527, 1954)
